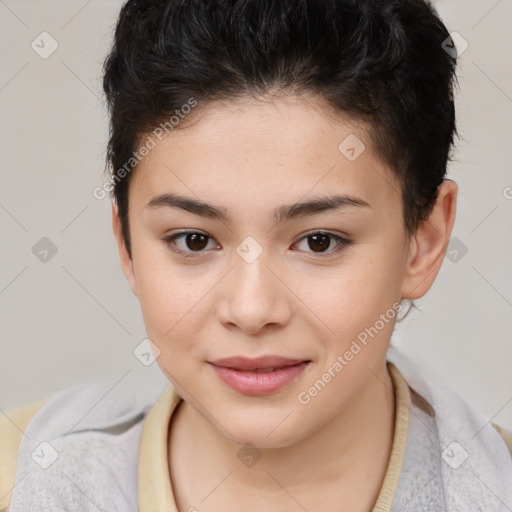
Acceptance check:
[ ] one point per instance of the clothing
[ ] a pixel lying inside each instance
(111, 450)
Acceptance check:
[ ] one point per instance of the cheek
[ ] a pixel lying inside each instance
(352, 296)
(170, 306)
(172, 316)
(171, 300)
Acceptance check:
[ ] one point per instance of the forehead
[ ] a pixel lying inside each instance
(265, 152)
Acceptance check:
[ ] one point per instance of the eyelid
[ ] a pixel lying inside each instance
(320, 231)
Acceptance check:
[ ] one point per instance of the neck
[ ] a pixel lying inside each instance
(346, 459)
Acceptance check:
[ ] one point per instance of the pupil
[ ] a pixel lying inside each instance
(193, 238)
(322, 245)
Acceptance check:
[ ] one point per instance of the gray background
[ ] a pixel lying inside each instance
(74, 318)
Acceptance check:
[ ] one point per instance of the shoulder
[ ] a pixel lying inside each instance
(452, 410)
(94, 425)
(12, 426)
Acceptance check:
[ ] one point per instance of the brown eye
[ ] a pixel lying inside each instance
(319, 243)
(192, 242)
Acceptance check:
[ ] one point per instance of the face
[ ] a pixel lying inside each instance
(241, 271)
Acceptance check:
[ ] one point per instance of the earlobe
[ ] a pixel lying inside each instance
(126, 260)
(428, 245)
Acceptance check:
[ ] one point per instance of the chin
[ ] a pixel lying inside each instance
(262, 432)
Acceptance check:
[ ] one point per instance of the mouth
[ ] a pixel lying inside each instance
(258, 376)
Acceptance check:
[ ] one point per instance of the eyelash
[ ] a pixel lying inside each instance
(341, 243)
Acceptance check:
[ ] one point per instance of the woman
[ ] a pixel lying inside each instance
(278, 175)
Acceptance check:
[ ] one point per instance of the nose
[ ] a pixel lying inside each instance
(254, 296)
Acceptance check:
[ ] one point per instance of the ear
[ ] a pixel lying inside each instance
(126, 260)
(428, 245)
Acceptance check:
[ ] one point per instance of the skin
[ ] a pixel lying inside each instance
(248, 158)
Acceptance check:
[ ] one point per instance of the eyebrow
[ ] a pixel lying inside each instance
(280, 214)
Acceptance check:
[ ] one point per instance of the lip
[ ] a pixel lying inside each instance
(246, 376)
(246, 363)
